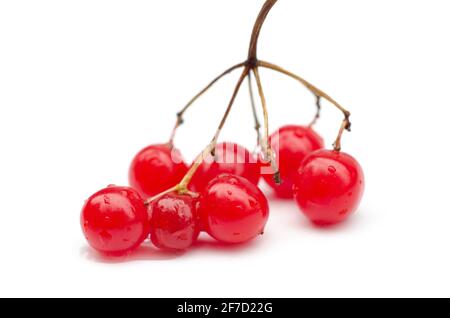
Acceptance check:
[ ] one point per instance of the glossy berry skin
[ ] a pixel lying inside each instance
(233, 210)
(329, 186)
(291, 144)
(174, 221)
(155, 169)
(230, 158)
(115, 220)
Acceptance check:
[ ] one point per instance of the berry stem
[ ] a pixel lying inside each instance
(346, 124)
(255, 113)
(268, 153)
(180, 114)
(265, 145)
(183, 185)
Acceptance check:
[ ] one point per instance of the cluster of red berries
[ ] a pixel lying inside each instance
(327, 186)
(230, 207)
(171, 203)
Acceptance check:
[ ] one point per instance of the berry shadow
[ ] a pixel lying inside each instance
(146, 252)
(205, 243)
(355, 221)
(271, 196)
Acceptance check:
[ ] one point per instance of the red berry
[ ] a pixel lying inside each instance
(291, 144)
(155, 169)
(174, 221)
(230, 158)
(233, 210)
(329, 186)
(115, 220)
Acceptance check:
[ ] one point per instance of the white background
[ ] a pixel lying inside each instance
(85, 84)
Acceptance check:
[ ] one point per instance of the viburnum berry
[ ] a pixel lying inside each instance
(291, 144)
(230, 158)
(232, 209)
(115, 220)
(174, 221)
(156, 169)
(329, 186)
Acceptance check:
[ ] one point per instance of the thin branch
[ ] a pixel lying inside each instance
(183, 186)
(180, 114)
(255, 113)
(266, 145)
(253, 48)
(308, 85)
(346, 124)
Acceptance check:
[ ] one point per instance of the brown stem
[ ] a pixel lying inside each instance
(266, 145)
(255, 113)
(319, 108)
(183, 186)
(251, 61)
(346, 123)
(180, 114)
(345, 126)
(252, 52)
